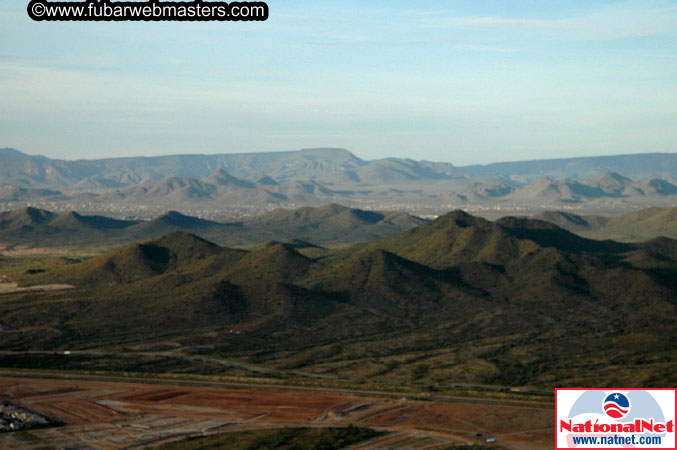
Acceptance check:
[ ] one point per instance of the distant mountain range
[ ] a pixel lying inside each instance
(460, 299)
(334, 166)
(330, 224)
(331, 166)
(314, 177)
(605, 185)
(635, 166)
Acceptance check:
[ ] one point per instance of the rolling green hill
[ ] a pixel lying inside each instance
(458, 300)
(634, 227)
(330, 224)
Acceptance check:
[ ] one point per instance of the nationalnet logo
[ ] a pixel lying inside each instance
(615, 418)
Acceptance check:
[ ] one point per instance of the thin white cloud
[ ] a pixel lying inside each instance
(620, 20)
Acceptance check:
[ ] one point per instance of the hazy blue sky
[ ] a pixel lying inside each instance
(459, 81)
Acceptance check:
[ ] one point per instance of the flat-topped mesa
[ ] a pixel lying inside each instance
(329, 153)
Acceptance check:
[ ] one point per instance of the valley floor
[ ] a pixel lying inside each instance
(119, 414)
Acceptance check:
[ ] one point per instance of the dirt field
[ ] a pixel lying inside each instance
(112, 415)
(11, 288)
(22, 250)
